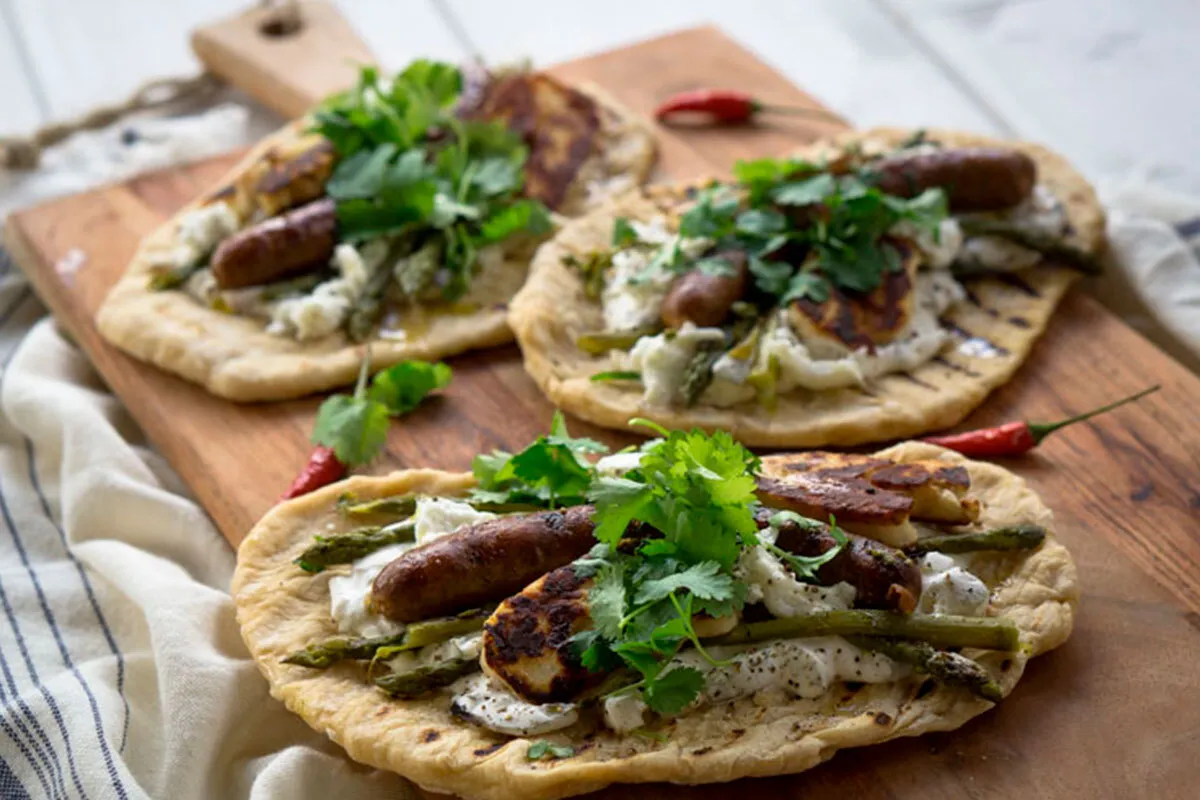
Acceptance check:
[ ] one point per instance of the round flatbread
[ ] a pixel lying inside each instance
(1008, 313)
(235, 357)
(281, 609)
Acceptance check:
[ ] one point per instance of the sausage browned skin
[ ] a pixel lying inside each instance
(278, 247)
(705, 299)
(480, 564)
(974, 178)
(882, 576)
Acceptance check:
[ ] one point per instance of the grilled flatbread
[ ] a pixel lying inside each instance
(582, 159)
(281, 609)
(994, 328)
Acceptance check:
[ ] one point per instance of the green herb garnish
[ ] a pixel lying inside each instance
(540, 749)
(616, 375)
(355, 425)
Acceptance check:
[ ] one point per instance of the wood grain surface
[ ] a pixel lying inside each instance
(1115, 713)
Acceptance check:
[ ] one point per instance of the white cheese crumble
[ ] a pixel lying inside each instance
(200, 231)
(663, 359)
(1041, 213)
(633, 293)
(939, 249)
(624, 712)
(325, 310)
(947, 588)
(491, 705)
(775, 587)
(348, 594)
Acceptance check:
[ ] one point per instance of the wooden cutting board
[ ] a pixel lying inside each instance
(1114, 713)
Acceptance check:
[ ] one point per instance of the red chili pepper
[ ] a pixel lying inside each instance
(728, 106)
(322, 469)
(1014, 438)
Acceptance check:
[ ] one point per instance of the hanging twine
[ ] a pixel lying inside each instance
(24, 152)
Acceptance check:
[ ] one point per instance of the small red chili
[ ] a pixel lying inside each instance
(1014, 438)
(322, 469)
(727, 106)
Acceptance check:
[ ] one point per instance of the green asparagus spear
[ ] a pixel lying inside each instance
(591, 269)
(346, 547)
(422, 680)
(597, 343)
(401, 506)
(174, 277)
(416, 273)
(1011, 537)
(949, 668)
(434, 631)
(989, 633)
(699, 372)
(329, 652)
(1027, 236)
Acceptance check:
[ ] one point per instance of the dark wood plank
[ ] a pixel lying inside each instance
(1115, 713)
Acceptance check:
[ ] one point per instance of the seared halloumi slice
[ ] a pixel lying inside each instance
(560, 125)
(848, 322)
(526, 641)
(870, 496)
(295, 176)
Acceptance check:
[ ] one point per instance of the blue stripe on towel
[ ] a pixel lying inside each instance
(1188, 228)
(87, 585)
(42, 746)
(11, 787)
(67, 662)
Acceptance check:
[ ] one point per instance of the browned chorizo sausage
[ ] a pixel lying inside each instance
(480, 564)
(974, 178)
(882, 576)
(705, 299)
(278, 247)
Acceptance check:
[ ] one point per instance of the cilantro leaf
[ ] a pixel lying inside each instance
(550, 472)
(606, 599)
(806, 192)
(623, 233)
(560, 435)
(805, 285)
(704, 580)
(529, 216)
(402, 387)
(355, 428)
(618, 502)
(542, 748)
(674, 691)
(761, 222)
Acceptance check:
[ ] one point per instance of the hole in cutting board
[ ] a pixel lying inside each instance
(284, 22)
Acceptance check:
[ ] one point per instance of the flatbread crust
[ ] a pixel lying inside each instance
(281, 609)
(551, 310)
(234, 357)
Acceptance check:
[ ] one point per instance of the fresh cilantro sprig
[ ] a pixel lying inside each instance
(553, 471)
(355, 425)
(411, 168)
(697, 490)
(540, 749)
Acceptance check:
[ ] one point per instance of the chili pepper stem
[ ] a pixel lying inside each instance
(797, 111)
(1041, 430)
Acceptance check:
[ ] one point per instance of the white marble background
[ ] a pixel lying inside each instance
(1114, 84)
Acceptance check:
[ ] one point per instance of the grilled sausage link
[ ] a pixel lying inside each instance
(277, 247)
(974, 178)
(704, 299)
(480, 564)
(882, 576)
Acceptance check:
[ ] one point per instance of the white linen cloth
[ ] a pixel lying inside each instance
(122, 673)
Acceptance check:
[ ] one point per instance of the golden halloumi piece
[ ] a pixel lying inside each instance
(526, 641)
(295, 176)
(558, 123)
(870, 496)
(856, 321)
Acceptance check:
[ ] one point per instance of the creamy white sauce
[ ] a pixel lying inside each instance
(319, 314)
(491, 705)
(772, 584)
(633, 294)
(435, 517)
(939, 248)
(948, 588)
(348, 594)
(617, 464)
(1041, 212)
(663, 360)
(799, 667)
(466, 646)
